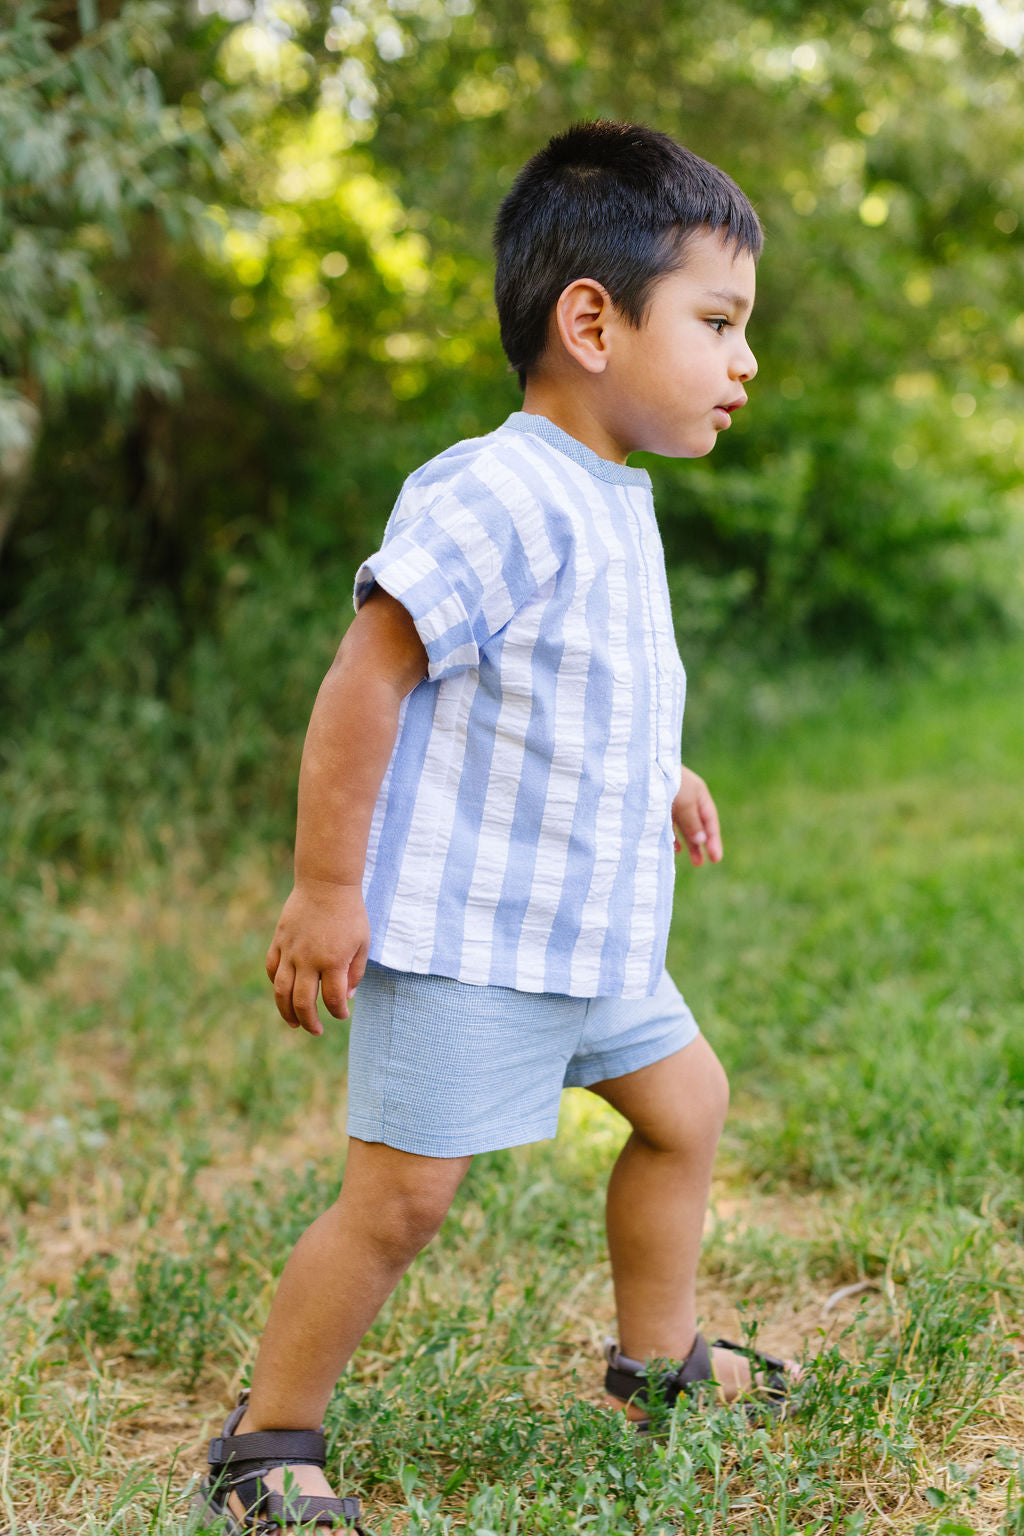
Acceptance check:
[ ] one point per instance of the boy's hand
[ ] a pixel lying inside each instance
(320, 943)
(695, 820)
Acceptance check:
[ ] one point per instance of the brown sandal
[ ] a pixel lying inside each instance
(239, 1463)
(629, 1380)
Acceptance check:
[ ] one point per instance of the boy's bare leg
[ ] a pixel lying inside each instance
(339, 1275)
(657, 1199)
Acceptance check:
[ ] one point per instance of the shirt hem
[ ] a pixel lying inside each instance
(453, 973)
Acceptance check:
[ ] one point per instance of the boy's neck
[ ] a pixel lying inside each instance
(572, 412)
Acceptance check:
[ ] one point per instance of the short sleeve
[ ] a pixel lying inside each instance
(462, 565)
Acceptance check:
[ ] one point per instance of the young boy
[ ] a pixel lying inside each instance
(487, 796)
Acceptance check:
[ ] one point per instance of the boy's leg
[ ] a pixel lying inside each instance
(339, 1274)
(657, 1199)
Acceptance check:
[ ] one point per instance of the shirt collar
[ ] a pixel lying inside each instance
(602, 469)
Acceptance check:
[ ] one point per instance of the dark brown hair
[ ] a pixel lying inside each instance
(615, 202)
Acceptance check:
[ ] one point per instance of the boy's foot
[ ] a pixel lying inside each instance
(733, 1376)
(263, 1480)
(303, 1479)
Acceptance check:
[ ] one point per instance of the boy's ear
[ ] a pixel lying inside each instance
(581, 318)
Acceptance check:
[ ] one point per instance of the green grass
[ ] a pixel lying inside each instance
(856, 963)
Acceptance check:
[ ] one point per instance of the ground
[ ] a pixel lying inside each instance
(855, 961)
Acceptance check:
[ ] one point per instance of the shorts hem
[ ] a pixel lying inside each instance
(599, 1069)
(453, 1146)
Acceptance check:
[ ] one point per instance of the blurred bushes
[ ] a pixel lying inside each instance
(132, 733)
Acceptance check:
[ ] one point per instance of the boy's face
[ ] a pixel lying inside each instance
(671, 385)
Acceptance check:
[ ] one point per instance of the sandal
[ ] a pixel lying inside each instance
(627, 1379)
(239, 1463)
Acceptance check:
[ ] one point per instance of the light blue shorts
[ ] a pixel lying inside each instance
(446, 1069)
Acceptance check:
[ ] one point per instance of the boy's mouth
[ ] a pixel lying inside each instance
(727, 410)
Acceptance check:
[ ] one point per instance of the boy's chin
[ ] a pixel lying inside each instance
(691, 449)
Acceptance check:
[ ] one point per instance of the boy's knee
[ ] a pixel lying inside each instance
(404, 1205)
(700, 1114)
(408, 1219)
(709, 1094)
(695, 1112)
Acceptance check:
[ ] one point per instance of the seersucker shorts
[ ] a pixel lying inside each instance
(444, 1068)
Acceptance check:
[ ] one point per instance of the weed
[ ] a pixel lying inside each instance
(91, 1315)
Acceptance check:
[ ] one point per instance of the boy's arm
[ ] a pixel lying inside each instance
(322, 934)
(696, 820)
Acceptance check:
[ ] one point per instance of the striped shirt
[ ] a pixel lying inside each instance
(522, 836)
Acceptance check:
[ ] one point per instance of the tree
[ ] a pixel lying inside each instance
(89, 147)
(336, 299)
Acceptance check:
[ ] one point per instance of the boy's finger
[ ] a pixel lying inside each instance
(334, 992)
(709, 817)
(304, 990)
(356, 969)
(691, 829)
(688, 819)
(694, 840)
(284, 978)
(273, 960)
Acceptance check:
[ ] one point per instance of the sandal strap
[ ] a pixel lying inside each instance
(302, 1507)
(270, 1445)
(629, 1379)
(777, 1381)
(771, 1362)
(273, 1510)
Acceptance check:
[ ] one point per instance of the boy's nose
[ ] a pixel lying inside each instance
(745, 366)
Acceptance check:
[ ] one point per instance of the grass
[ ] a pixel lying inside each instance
(856, 963)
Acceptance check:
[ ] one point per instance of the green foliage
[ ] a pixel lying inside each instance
(140, 735)
(295, 201)
(91, 1314)
(90, 148)
(883, 436)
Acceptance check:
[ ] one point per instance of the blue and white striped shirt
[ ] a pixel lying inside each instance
(522, 836)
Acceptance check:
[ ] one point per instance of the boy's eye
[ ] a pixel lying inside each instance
(719, 324)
